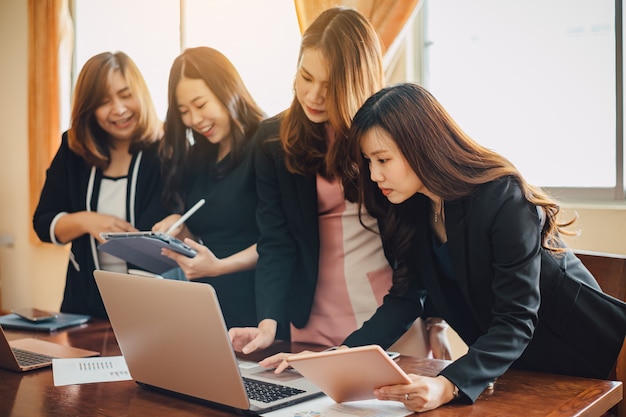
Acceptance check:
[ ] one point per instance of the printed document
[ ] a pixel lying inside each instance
(87, 370)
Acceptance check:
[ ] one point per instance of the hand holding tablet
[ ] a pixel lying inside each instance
(349, 374)
(143, 249)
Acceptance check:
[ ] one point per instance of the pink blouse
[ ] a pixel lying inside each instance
(354, 274)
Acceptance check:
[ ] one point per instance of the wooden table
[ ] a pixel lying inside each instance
(516, 393)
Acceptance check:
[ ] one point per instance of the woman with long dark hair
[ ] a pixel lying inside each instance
(207, 153)
(466, 228)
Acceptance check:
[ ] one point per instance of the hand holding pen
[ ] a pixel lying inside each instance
(185, 216)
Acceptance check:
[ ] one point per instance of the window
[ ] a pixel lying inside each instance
(260, 38)
(146, 30)
(535, 81)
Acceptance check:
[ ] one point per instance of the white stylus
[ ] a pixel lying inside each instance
(185, 216)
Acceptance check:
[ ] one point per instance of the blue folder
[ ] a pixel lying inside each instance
(64, 320)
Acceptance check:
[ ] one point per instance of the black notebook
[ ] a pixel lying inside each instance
(62, 321)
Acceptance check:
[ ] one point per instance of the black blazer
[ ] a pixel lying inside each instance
(289, 245)
(502, 273)
(65, 191)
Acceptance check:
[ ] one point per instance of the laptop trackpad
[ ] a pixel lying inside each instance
(284, 376)
(254, 369)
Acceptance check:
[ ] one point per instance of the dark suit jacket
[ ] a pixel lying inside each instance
(502, 275)
(65, 190)
(288, 247)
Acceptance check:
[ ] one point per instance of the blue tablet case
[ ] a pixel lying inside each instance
(64, 320)
(143, 249)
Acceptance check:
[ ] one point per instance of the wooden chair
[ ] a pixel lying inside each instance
(610, 272)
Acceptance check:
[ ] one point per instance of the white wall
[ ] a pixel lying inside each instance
(33, 274)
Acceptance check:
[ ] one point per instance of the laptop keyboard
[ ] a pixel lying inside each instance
(25, 358)
(267, 392)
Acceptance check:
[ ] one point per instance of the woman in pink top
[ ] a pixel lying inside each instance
(320, 272)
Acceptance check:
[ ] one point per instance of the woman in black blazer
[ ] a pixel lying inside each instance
(208, 99)
(464, 226)
(320, 273)
(105, 176)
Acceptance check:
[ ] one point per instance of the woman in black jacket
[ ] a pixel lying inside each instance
(320, 273)
(105, 176)
(207, 153)
(465, 226)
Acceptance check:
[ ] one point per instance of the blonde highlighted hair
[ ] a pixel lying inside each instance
(86, 137)
(353, 53)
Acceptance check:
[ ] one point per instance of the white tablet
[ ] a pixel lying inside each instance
(349, 374)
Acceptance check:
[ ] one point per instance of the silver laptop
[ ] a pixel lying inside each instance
(174, 339)
(28, 354)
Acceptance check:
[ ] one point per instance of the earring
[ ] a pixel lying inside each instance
(189, 136)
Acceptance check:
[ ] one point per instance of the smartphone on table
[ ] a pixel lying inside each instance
(35, 315)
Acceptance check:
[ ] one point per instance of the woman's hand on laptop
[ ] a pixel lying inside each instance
(250, 339)
(278, 361)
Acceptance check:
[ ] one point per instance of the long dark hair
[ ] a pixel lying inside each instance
(447, 161)
(221, 77)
